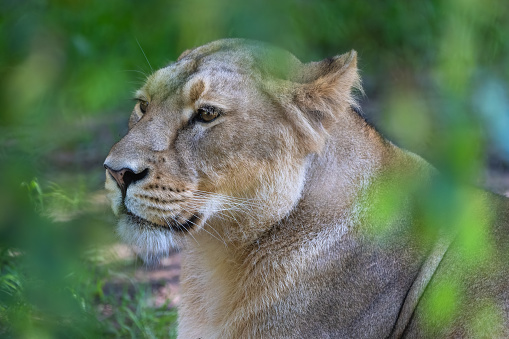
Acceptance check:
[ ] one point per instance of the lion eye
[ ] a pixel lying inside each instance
(207, 114)
(143, 106)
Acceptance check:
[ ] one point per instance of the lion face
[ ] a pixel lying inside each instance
(216, 144)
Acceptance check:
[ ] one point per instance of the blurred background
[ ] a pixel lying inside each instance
(435, 73)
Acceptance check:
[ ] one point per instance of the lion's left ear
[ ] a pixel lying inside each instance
(314, 94)
(327, 85)
(320, 92)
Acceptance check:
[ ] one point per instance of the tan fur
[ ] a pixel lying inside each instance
(286, 185)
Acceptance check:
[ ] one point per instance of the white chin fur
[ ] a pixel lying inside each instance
(151, 244)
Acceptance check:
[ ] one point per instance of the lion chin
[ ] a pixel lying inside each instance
(150, 243)
(153, 241)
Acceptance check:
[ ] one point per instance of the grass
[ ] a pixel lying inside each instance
(127, 309)
(63, 281)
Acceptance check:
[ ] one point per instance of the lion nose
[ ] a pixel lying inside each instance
(125, 177)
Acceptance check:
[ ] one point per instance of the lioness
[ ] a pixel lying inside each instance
(259, 168)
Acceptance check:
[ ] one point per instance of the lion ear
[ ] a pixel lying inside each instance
(317, 93)
(327, 85)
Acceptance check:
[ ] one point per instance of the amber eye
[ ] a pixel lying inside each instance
(143, 106)
(207, 114)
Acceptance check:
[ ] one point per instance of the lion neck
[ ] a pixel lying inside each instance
(325, 188)
(219, 271)
(345, 168)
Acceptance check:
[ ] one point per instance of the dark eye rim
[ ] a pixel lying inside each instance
(143, 104)
(212, 111)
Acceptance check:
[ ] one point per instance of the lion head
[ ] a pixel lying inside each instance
(219, 143)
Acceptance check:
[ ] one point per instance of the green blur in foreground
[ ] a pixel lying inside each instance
(435, 75)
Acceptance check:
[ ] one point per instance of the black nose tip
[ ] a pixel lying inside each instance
(126, 177)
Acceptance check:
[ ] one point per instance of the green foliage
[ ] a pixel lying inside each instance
(435, 72)
(443, 304)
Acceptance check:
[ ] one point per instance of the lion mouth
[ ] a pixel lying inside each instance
(174, 225)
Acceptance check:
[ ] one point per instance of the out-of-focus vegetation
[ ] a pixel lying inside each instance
(435, 74)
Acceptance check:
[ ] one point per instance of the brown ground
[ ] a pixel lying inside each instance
(163, 279)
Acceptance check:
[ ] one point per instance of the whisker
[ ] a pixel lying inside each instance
(231, 201)
(136, 71)
(218, 239)
(148, 62)
(179, 225)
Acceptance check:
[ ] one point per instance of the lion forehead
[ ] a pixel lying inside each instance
(214, 80)
(222, 64)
